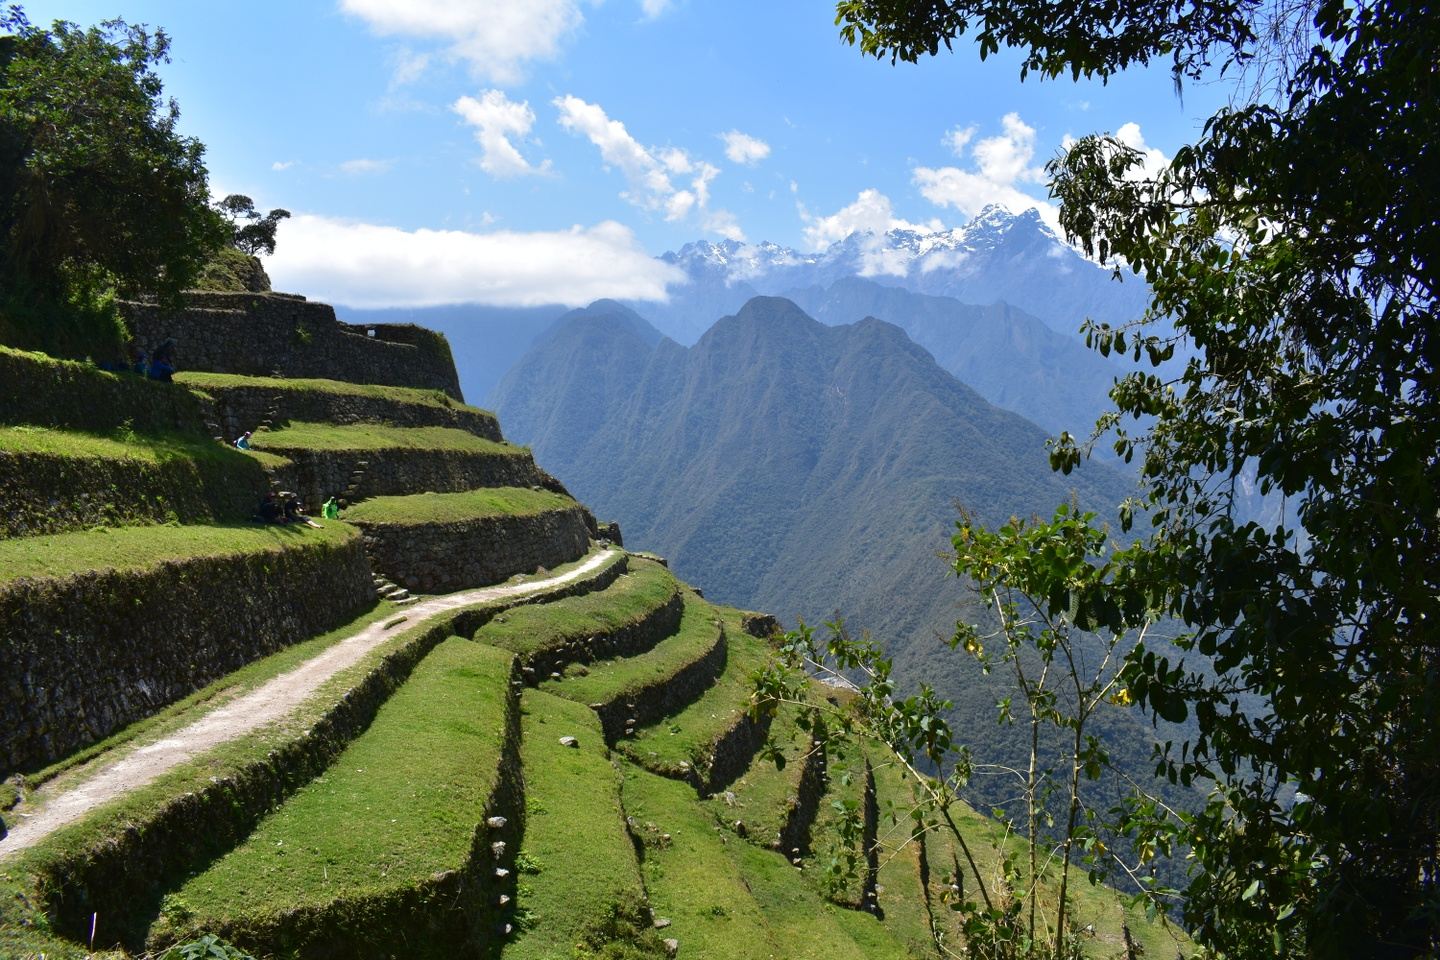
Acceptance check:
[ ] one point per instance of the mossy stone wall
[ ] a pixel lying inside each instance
(317, 475)
(240, 408)
(78, 396)
(270, 334)
(45, 493)
(87, 654)
(444, 557)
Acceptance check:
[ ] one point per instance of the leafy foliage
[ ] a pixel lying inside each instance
(98, 191)
(1292, 253)
(253, 233)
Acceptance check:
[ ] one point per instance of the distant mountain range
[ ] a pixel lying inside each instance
(781, 463)
(997, 301)
(998, 257)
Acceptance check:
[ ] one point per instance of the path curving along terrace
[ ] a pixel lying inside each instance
(266, 704)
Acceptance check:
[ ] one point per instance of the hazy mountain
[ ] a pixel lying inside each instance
(996, 257)
(1011, 358)
(783, 464)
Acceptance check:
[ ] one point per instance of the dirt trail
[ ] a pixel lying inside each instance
(269, 702)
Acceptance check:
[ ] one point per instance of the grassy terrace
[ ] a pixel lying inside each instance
(580, 882)
(404, 395)
(403, 813)
(427, 508)
(899, 892)
(122, 444)
(761, 798)
(611, 680)
(832, 868)
(142, 548)
(524, 630)
(729, 900)
(688, 735)
(358, 438)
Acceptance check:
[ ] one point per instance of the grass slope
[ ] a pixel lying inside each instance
(526, 630)
(687, 737)
(142, 548)
(360, 437)
(413, 396)
(727, 899)
(622, 677)
(580, 889)
(429, 508)
(386, 816)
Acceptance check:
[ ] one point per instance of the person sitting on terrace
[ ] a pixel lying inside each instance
(242, 442)
(330, 509)
(270, 511)
(294, 511)
(162, 361)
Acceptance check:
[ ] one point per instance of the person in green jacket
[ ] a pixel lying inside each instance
(330, 509)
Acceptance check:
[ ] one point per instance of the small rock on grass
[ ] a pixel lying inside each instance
(672, 946)
(569, 742)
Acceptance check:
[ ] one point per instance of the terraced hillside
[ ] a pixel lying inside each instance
(532, 745)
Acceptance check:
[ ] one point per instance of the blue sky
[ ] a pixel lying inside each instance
(537, 151)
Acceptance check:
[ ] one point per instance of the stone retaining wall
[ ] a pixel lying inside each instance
(730, 755)
(794, 839)
(86, 655)
(445, 557)
(319, 474)
(45, 493)
(128, 866)
(629, 640)
(240, 408)
(666, 695)
(268, 334)
(78, 396)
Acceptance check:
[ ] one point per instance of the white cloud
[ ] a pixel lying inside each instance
(723, 223)
(653, 8)
(497, 38)
(1153, 160)
(367, 265)
(497, 119)
(279, 165)
(744, 149)
(363, 166)
(958, 138)
(1001, 164)
(407, 66)
(871, 216)
(650, 172)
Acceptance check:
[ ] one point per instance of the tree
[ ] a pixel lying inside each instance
(98, 191)
(1293, 247)
(256, 234)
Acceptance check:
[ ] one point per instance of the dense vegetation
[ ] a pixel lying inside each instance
(99, 195)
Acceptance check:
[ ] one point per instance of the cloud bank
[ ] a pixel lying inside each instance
(495, 38)
(871, 216)
(367, 265)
